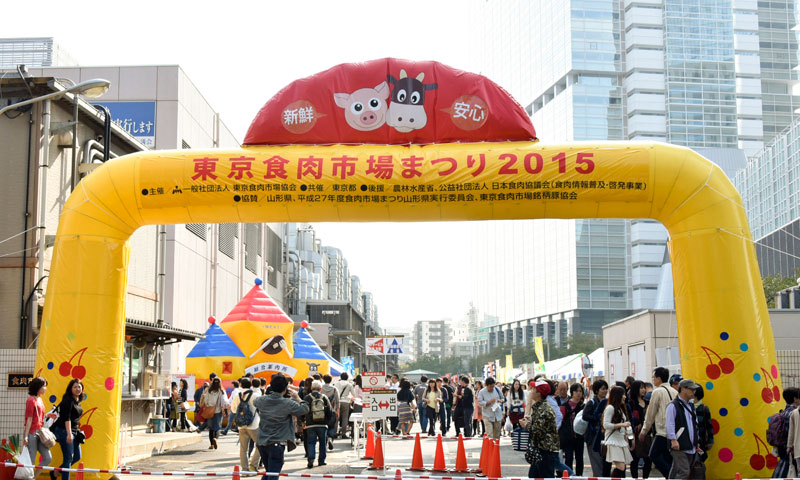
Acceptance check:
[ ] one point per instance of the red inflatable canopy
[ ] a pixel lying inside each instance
(390, 101)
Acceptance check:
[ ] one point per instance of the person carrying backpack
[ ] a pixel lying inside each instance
(333, 395)
(780, 434)
(246, 417)
(317, 421)
(656, 418)
(591, 414)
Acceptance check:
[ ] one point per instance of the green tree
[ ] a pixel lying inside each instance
(775, 283)
(580, 343)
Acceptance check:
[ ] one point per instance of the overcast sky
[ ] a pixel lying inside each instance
(239, 54)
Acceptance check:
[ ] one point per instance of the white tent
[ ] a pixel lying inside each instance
(570, 369)
(598, 358)
(552, 367)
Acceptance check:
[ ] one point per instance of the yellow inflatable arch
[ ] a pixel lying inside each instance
(724, 330)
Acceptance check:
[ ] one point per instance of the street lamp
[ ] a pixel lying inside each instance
(91, 88)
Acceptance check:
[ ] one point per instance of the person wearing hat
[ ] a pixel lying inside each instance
(682, 433)
(544, 435)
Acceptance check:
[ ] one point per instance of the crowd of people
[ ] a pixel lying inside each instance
(632, 424)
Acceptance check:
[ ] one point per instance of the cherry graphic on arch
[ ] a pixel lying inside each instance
(86, 428)
(759, 461)
(77, 371)
(714, 370)
(770, 393)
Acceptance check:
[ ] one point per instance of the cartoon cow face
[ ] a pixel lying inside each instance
(406, 112)
(364, 109)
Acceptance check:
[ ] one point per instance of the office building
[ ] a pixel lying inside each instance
(33, 52)
(431, 337)
(179, 275)
(707, 74)
(770, 189)
(322, 290)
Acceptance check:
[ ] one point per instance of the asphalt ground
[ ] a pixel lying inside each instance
(341, 460)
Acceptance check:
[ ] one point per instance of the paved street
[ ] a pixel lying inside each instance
(398, 454)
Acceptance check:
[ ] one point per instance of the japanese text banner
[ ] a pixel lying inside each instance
(407, 182)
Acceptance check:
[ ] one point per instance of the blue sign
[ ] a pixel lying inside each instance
(137, 118)
(395, 347)
(349, 365)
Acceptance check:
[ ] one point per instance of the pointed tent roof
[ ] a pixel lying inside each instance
(257, 306)
(336, 367)
(216, 344)
(306, 347)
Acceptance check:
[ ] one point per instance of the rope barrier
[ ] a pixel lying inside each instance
(237, 474)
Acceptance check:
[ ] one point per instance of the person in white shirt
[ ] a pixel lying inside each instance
(345, 389)
(491, 400)
(247, 432)
(228, 400)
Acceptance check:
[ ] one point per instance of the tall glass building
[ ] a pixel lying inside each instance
(770, 189)
(707, 74)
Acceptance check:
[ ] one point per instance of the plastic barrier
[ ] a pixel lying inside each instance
(237, 473)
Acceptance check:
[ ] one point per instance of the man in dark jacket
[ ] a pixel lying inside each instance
(467, 405)
(682, 432)
(276, 428)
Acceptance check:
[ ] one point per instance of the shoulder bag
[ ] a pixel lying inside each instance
(533, 455)
(208, 411)
(46, 437)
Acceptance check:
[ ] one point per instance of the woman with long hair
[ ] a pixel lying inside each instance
(571, 442)
(34, 420)
(214, 397)
(406, 406)
(618, 431)
(67, 427)
(356, 404)
(184, 398)
(173, 407)
(477, 416)
(433, 397)
(516, 403)
(637, 407)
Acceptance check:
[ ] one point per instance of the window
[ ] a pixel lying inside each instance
(228, 234)
(198, 229)
(274, 250)
(252, 246)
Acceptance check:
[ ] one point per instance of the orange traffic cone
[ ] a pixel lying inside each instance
(416, 461)
(484, 454)
(79, 475)
(461, 457)
(369, 452)
(398, 475)
(565, 474)
(377, 462)
(495, 470)
(236, 475)
(486, 470)
(438, 460)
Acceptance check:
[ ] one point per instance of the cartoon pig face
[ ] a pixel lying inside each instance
(364, 109)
